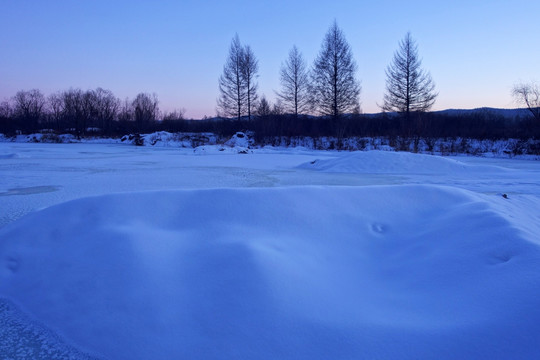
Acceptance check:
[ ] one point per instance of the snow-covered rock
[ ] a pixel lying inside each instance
(239, 140)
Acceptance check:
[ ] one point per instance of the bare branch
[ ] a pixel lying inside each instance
(528, 94)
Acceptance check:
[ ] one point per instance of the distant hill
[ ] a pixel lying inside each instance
(506, 113)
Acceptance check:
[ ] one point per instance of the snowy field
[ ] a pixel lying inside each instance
(122, 252)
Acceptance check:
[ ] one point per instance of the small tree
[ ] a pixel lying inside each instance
(528, 94)
(278, 109)
(263, 109)
(335, 89)
(174, 115)
(408, 87)
(294, 84)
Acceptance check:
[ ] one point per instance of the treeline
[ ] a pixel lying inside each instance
(329, 88)
(96, 112)
(99, 113)
(317, 101)
(479, 124)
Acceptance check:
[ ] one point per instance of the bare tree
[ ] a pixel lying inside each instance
(146, 110)
(74, 111)
(408, 87)
(6, 124)
(174, 115)
(6, 109)
(528, 94)
(335, 89)
(294, 84)
(55, 108)
(89, 114)
(29, 106)
(237, 83)
(231, 83)
(106, 107)
(125, 111)
(277, 109)
(250, 67)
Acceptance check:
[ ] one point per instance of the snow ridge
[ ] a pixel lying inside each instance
(411, 271)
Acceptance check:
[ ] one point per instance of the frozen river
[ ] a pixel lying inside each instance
(169, 253)
(35, 176)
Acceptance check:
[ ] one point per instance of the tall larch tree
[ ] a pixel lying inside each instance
(409, 89)
(231, 83)
(335, 89)
(237, 84)
(250, 68)
(294, 81)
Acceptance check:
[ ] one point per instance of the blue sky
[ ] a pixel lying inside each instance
(475, 50)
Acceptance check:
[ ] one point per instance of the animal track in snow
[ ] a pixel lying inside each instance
(379, 228)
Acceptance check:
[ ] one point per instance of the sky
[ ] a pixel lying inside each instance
(474, 50)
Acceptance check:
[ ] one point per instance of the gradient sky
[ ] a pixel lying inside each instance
(475, 50)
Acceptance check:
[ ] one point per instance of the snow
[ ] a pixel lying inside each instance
(243, 143)
(391, 163)
(121, 252)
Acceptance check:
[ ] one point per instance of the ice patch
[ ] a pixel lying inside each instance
(30, 190)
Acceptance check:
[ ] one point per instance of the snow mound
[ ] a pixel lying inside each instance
(239, 143)
(240, 139)
(285, 273)
(387, 162)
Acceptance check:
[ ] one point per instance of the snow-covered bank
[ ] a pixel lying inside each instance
(292, 273)
(241, 142)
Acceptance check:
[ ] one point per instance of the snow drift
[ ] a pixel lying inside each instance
(380, 272)
(387, 162)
